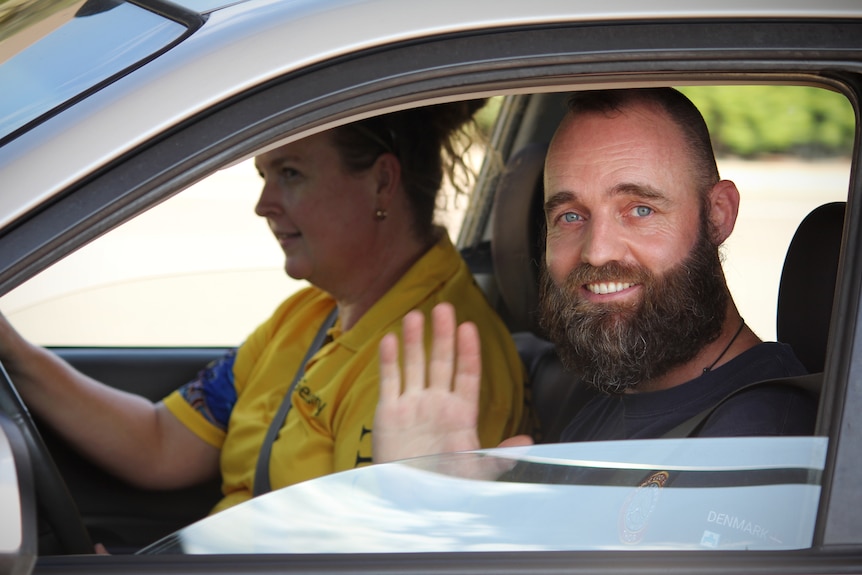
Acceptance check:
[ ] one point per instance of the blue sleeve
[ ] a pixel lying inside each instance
(212, 393)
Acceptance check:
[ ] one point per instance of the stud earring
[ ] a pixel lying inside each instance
(380, 215)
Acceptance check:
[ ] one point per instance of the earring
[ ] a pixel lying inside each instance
(380, 215)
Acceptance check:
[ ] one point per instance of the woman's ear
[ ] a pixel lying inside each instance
(723, 209)
(387, 171)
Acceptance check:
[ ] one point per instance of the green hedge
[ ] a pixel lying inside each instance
(756, 121)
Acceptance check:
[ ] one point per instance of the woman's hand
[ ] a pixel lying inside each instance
(12, 345)
(436, 409)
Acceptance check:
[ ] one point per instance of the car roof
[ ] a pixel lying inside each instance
(243, 45)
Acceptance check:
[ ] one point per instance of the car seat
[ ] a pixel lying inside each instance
(807, 288)
(805, 296)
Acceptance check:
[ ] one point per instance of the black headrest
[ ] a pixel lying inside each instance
(517, 224)
(807, 285)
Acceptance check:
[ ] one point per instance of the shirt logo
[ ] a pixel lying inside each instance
(306, 395)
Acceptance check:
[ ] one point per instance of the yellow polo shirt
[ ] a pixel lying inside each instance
(329, 427)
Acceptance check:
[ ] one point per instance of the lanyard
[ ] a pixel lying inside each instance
(261, 471)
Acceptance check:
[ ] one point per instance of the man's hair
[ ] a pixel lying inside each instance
(678, 108)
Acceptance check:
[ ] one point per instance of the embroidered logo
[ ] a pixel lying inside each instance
(306, 395)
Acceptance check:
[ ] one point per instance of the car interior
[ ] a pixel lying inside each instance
(506, 265)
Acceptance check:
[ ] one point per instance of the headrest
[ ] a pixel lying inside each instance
(517, 222)
(807, 285)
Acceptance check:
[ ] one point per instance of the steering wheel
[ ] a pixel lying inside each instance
(54, 502)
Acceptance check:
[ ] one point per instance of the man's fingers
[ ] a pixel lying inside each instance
(390, 372)
(442, 364)
(414, 351)
(517, 441)
(455, 355)
(468, 372)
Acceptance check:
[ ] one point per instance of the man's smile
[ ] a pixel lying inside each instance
(603, 288)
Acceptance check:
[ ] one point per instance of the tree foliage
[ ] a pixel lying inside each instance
(756, 121)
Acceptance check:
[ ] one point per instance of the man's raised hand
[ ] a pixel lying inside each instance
(434, 407)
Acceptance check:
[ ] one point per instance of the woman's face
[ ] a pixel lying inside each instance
(321, 215)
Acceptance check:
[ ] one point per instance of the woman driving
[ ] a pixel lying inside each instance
(353, 210)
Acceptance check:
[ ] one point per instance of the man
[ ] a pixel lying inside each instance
(633, 295)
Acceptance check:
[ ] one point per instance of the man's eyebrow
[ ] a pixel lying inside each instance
(644, 191)
(558, 199)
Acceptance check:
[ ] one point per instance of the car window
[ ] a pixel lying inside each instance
(788, 150)
(200, 269)
(190, 264)
(692, 494)
(52, 52)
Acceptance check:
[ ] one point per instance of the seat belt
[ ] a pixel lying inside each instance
(691, 427)
(261, 470)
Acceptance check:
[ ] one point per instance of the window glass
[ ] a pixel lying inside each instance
(752, 493)
(207, 5)
(52, 52)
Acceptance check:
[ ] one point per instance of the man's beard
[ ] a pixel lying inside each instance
(616, 346)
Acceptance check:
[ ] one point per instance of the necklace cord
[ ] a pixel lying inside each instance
(727, 347)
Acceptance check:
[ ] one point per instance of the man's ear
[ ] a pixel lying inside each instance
(387, 170)
(723, 209)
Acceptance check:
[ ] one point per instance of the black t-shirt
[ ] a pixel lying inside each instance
(769, 410)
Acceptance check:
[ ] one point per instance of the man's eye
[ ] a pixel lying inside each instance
(570, 217)
(641, 211)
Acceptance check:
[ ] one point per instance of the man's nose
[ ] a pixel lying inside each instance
(604, 242)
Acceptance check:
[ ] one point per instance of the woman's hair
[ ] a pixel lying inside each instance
(429, 141)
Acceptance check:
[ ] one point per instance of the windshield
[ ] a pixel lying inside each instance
(704, 493)
(51, 53)
(205, 6)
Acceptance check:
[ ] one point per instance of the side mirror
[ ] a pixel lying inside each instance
(18, 534)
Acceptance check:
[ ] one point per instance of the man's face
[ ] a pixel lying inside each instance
(633, 285)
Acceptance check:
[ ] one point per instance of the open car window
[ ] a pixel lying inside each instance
(692, 494)
(788, 150)
(180, 274)
(200, 269)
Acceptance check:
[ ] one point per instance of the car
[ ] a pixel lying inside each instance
(114, 113)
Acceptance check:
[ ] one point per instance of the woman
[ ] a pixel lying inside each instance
(352, 209)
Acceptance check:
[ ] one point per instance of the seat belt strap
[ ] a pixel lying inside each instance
(691, 427)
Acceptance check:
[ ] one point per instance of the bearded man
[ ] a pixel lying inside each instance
(633, 295)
